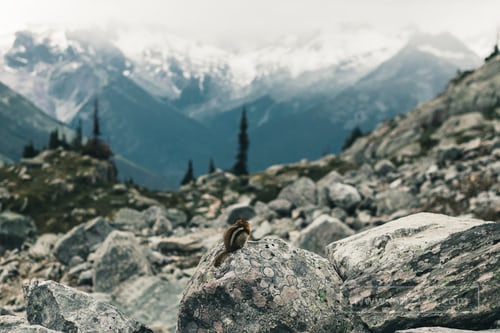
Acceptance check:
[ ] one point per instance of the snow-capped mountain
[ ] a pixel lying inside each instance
(203, 80)
(59, 71)
(171, 100)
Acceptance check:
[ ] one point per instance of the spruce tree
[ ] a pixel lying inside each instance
(76, 144)
(54, 139)
(188, 177)
(355, 134)
(95, 146)
(96, 130)
(240, 167)
(211, 166)
(29, 150)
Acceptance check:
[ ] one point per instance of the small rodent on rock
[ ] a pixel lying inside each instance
(235, 238)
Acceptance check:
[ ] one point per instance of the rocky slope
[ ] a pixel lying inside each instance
(338, 244)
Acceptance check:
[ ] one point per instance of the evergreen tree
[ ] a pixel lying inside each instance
(76, 144)
(240, 167)
(211, 166)
(188, 177)
(96, 130)
(355, 134)
(54, 139)
(63, 142)
(96, 147)
(29, 150)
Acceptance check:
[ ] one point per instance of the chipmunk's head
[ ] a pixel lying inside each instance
(243, 223)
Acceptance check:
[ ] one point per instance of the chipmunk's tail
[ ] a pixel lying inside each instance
(219, 259)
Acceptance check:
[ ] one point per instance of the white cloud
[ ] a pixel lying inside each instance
(246, 23)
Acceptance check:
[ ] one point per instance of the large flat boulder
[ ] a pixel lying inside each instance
(423, 270)
(153, 300)
(58, 307)
(286, 288)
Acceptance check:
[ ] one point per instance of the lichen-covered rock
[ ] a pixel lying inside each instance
(15, 324)
(119, 258)
(62, 308)
(300, 193)
(81, 240)
(14, 230)
(423, 269)
(267, 286)
(323, 231)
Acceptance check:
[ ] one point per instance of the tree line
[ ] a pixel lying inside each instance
(93, 146)
(240, 166)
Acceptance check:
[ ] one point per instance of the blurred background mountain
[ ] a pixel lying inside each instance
(182, 101)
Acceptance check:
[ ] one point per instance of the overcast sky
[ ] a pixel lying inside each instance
(257, 22)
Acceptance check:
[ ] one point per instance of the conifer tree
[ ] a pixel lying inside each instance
(240, 167)
(211, 166)
(29, 150)
(76, 144)
(188, 177)
(54, 139)
(96, 130)
(96, 147)
(63, 142)
(355, 134)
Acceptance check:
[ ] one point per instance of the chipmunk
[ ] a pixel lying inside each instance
(234, 238)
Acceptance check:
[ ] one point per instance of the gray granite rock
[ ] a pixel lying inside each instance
(287, 289)
(81, 240)
(155, 217)
(117, 259)
(300, 193)
(43, 246)
(392, 200)
(15, 324)
(438, 329)
(176, 216)
(323, 231)
(384, 167)
(62, 308)
(14, 230)
(262, 230)
(236, 211)
(324, 183)
(129, 219)
(281, 206)
(344, 196)
(423, 269)
(152, 300)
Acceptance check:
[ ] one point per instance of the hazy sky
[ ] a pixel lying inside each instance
(255, 22)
